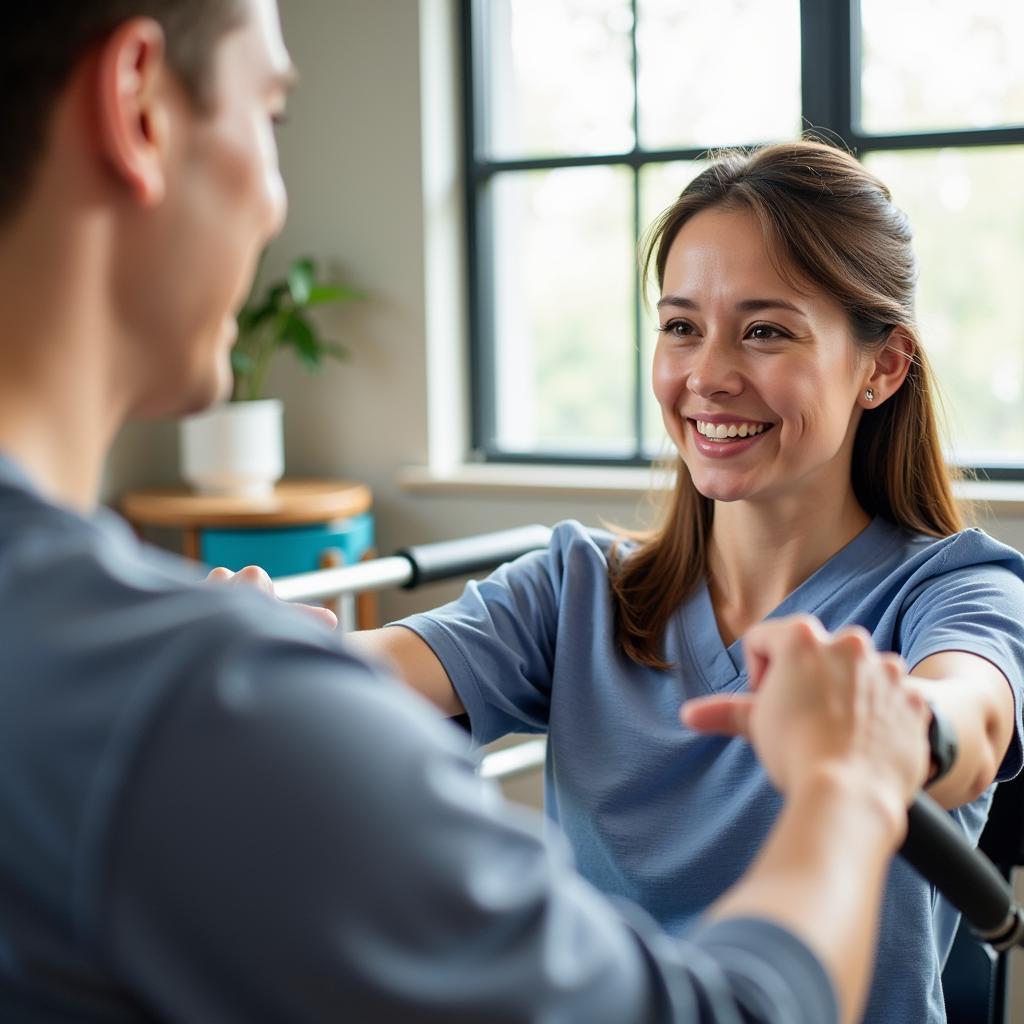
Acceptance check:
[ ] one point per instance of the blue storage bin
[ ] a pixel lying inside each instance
(285, 550)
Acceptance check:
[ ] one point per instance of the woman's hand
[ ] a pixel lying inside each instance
(824, 702)
(254, 576)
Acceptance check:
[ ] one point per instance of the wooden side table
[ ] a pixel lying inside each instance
(302, 525)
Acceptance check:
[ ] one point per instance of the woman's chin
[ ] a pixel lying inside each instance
(719, 486)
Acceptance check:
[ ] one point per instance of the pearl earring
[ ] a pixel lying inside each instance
(869, 394)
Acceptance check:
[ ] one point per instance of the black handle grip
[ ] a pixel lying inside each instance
(937, 849)
(451, 558)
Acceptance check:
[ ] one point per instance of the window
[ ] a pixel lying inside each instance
(585, 118)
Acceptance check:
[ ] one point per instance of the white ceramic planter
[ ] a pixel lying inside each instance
(234, 449)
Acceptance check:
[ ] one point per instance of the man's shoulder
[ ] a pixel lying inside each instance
(53, 560)
(89, 613)
(100, 639)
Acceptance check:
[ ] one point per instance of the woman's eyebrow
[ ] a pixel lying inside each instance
(745, 306)
(756, 305)
(678, 301)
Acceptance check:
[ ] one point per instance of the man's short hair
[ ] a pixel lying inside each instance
(42, 40)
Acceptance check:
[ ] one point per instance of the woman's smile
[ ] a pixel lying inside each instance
(726, 437)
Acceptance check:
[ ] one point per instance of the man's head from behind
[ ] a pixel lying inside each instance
(139, 132)
(42, 42)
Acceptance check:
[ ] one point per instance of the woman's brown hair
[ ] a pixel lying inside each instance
(830, 223)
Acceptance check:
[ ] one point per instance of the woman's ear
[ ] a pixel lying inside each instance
(887, 369)
(131, 107)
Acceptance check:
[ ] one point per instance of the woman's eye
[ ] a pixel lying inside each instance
(677, 329)
(765, 332)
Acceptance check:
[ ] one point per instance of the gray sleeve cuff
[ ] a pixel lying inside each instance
(770, 973)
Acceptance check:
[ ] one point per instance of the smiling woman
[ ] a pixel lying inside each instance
(787, 281)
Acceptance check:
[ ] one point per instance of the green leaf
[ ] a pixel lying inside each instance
(251, 318)
(299, 334)
(323, 294)
(301, 278)
(277, 320)
(277, 296)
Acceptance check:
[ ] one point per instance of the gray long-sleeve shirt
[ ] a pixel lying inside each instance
(210, 811)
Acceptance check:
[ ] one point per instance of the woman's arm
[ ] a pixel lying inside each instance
(977, 700)
(412, 660)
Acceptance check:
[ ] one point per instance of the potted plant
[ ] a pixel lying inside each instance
(237, 448)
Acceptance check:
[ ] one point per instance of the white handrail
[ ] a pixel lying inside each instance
(379, 574)
(512, 761)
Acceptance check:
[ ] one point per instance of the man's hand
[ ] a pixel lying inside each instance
(254, 576)
(824, 702)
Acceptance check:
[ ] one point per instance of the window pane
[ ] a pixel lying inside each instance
(563, 288)
(967, 211)
(660, 185)
(557, 77)
(933, 64)
(714, 74)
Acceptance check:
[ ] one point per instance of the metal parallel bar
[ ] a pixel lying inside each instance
(417, 564)
(511, 762)
(380, 574)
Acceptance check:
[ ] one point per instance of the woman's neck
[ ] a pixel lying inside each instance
(761, 552)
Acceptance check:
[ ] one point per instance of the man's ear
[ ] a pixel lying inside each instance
(888, 369)
(131, 107)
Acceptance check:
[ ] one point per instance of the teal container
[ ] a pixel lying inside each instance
(285, 550)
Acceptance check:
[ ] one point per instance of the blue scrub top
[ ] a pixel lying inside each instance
(669, 818)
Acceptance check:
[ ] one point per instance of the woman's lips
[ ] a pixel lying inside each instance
(728, 447)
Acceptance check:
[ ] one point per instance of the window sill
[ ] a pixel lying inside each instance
(525, 479)
(999, 497)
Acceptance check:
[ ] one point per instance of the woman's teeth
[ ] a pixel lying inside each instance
(724, 431)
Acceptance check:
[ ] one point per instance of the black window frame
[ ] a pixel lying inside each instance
(830, 57)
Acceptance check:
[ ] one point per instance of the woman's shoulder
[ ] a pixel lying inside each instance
(967, 549)
(571, 540)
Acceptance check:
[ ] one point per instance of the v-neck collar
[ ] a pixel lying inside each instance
(722, 667)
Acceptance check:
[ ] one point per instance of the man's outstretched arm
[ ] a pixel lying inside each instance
(298, 843)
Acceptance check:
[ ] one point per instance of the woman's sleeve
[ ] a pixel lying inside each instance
(497, 640)
(977, 609)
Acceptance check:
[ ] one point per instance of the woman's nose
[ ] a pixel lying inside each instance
(714, 371)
